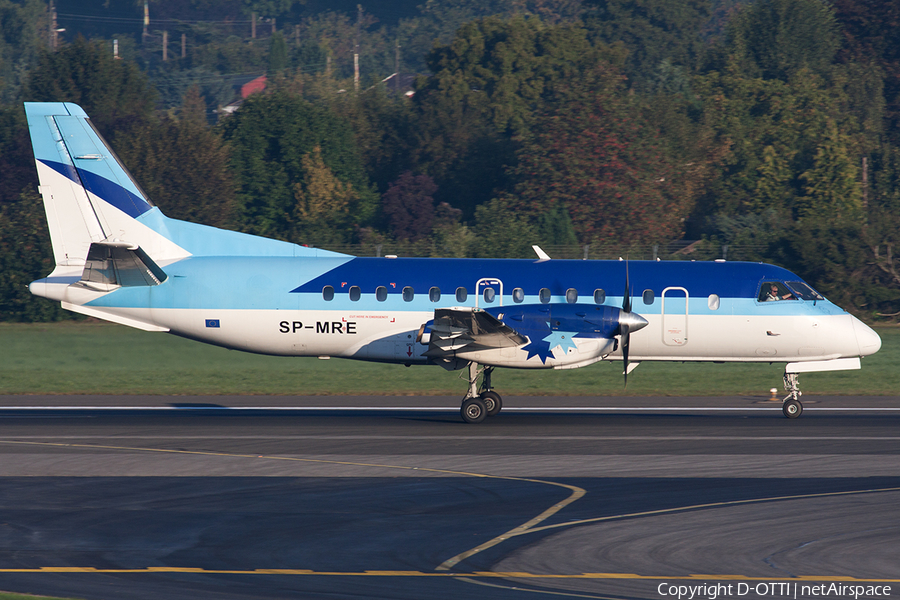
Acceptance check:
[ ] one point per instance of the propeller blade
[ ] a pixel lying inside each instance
(626, 299)
(628, 322)
(623, 323)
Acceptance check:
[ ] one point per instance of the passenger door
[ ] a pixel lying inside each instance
(675, 316)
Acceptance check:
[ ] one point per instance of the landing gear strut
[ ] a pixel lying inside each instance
(480, 404)
(791, 406)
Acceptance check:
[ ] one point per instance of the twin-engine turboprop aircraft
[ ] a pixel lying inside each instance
(120, 259)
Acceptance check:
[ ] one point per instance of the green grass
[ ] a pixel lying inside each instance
(100, 358)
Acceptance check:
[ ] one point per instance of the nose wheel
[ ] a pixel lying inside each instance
(791, 407)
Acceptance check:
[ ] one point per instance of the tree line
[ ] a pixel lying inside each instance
(770, 127)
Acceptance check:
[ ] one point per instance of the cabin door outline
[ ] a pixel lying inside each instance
(675, 316)
(496, 284)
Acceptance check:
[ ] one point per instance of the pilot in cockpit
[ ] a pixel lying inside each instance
(774, 294)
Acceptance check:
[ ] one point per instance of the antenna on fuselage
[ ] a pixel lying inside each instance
(541, 254)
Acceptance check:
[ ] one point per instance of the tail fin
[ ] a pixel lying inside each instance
(88, 194)
(90, 198)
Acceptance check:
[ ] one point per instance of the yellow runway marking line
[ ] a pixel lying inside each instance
(525, 528)
(576, 492)
(475, 574)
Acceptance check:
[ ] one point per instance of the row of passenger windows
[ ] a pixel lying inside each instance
(462, 294)
(518, 295)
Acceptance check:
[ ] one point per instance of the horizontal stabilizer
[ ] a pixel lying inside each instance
(117, 264)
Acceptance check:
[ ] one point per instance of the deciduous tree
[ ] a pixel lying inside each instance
(601, 162)
(269, 137)
(184, 167)
(323, 204)
(776, 39)
(115, 93)
(408, 206)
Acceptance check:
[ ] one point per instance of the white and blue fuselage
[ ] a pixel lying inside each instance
(119, 258)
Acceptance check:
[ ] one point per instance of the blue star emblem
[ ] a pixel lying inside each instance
(542, 345)
(561, 339)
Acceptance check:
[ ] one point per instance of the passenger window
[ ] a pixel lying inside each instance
(518, 295)
(544, 295)
(599, 296)
(648, 297)
(328, 293)
(408, 294)
(354, 293)
(489, 294)
(571, 295)
(713, 302)
(434, 294)
(381, 293)
(461, 294)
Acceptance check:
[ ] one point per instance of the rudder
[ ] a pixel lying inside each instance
(88, 194)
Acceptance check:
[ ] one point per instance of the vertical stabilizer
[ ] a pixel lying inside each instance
(90, 198)
(88, 194)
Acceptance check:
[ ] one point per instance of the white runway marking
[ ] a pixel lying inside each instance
(445, 409)
(528, 438)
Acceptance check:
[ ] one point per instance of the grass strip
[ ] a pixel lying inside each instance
(102, 358)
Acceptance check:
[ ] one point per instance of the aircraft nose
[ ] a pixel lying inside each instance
(869, 341)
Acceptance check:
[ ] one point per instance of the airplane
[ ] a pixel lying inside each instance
(118, 258)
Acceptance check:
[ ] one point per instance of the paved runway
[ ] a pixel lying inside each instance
(395, 497)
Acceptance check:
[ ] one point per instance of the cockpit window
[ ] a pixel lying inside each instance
(774, 291)
(803, 291)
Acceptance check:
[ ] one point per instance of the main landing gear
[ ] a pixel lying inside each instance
(791, 406)
(477, 405)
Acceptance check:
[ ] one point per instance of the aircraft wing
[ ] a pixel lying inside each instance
(456, 328)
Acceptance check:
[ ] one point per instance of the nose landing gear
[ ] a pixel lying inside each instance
(477, 405)
(791, 407)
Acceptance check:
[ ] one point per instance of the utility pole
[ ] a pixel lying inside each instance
(53, 37)
(356, 48)
(865, 187)
(273, 25)
(183, 45)
(146, 21)
(51, 26)
(397, 66)
(165, 46)
(253, 26)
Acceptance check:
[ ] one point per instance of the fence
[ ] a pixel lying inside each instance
(677, 250)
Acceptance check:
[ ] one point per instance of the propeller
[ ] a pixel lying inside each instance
(628, 322)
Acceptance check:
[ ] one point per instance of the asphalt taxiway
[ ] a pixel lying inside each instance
(395, 497)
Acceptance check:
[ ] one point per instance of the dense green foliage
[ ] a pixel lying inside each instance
(301, 176)
(768, 129)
